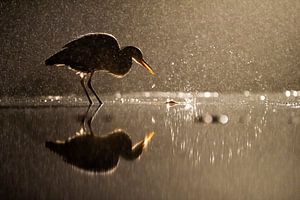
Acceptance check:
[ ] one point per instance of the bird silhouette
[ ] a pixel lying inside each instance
(97, 51)
(98, 153)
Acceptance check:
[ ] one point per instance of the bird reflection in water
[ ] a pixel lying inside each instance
(98, 154)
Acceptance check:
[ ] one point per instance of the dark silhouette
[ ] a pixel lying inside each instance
(97, 51)
(98, 153)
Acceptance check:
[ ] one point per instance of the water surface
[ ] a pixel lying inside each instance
(207, 146)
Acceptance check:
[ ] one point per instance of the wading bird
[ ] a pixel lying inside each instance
(97, 51)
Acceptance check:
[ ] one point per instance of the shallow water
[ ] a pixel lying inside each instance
(206, 146)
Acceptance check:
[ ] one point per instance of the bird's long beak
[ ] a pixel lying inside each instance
(148, 138)
(144, 143)
(144, 64)
(137, 149)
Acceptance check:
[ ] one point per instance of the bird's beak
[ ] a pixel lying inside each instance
(148, 138)
(137, 149)
(144, 64)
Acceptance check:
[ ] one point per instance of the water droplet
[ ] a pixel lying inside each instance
(262, 97)
(223, 119)
(295, 93)
(153, 120)
(207, 118)
(247, 93)
(212, 159)
(230, 153)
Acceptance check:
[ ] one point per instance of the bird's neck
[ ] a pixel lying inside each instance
(134, 152)
(123, 64)
(125, 58)
(127, 52)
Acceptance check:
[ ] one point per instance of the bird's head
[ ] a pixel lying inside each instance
(137, 55)
(130, 152)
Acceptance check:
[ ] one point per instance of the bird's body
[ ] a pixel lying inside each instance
(97, 51)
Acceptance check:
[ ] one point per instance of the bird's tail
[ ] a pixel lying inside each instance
(52, 60)
(59, 58)
(57, 147)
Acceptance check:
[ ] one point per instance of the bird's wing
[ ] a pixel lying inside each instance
(95, 40)
(87, 52)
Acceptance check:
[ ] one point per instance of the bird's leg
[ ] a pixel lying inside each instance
(86, 92)
(91, 87)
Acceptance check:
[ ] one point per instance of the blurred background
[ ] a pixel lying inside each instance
(223, 46)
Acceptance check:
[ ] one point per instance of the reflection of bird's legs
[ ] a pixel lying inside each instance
(91, 87)
(86, 92)
(90, 120)
(83, 122)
